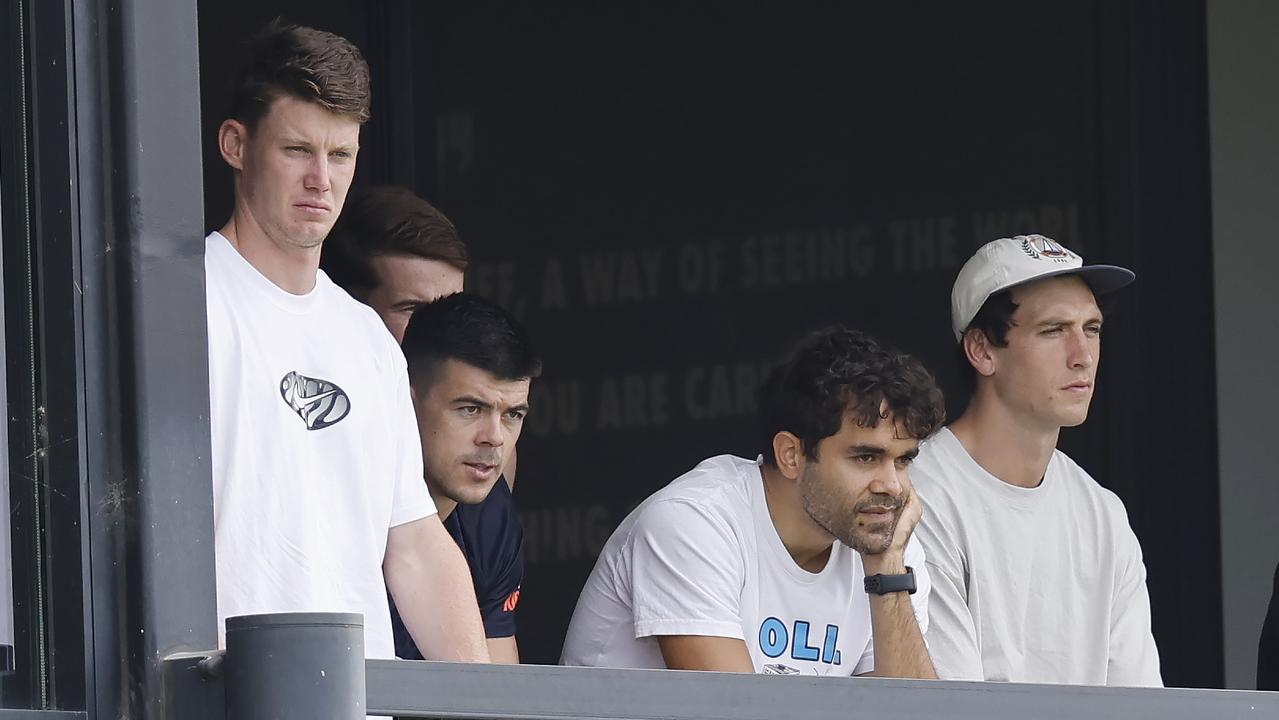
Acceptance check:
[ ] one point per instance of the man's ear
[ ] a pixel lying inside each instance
(979, 351)
(232, 137)
(789, 451)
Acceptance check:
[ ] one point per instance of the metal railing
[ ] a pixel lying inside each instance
(531, 692)
(195, 690)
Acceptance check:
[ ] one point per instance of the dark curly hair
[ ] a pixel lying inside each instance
(301, 62)
(837, 371)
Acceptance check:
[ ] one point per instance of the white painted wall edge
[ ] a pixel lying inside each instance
(1243, 64)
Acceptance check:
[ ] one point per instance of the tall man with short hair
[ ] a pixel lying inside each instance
(798, 563)
(396, 252)
(1037, 576)
(316, 469)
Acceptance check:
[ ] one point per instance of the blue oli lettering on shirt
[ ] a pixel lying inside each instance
(829, 654)
(774, 641)
(772, 637)
(800, 649)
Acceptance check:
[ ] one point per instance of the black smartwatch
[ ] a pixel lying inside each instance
(883, 584)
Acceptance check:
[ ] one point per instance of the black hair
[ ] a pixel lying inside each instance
(836, 371)
(470, 329)
(993, 319)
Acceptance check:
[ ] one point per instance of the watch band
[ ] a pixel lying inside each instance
(881, 584)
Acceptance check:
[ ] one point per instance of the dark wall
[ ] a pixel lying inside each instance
(671, 195)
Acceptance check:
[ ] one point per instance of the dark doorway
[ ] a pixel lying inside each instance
(669, 194)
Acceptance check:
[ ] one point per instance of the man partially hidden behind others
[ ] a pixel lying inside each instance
(1037, 576)
(397, 253)
(317, 470)
(801, 562)
(394, 252)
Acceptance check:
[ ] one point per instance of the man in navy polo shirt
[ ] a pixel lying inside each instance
(395, 252)
(470, 366)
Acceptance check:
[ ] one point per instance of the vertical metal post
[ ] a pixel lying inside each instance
(146, 398)
(295, 665)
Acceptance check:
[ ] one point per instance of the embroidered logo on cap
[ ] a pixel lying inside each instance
(319, 403)
(1040, 247)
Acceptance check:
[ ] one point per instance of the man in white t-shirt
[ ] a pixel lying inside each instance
(798, 563)
(317, 470)
(1037, 576)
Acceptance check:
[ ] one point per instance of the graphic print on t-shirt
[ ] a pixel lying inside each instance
(778, 641)
(319, 403)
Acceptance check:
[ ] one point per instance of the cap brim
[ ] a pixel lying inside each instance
(1101, 278)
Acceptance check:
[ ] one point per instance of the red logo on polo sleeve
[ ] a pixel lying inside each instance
(511, 601)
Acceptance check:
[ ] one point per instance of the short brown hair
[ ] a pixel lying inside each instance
(387, 221)
(301, 62)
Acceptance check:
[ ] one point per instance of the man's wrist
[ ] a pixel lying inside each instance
(888, 562)
(885, 584)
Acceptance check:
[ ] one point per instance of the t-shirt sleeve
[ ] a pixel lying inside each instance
(686, 573)
(1133, 659)
(915, 560)
(951, 632)
(410, 499)
(500, 545)
(918, 562)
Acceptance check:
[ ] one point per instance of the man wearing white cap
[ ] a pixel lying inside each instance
(1037, 576)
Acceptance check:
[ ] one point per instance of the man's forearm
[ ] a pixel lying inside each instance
(504, 650)
(432, 588)
(899, 645)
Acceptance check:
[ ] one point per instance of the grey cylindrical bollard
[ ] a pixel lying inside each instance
(308, 666)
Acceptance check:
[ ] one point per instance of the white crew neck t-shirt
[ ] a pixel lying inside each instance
(702, 557)
(315, 447)
(1042, 585)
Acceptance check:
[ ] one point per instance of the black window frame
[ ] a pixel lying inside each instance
(44, 465)
(108, 377)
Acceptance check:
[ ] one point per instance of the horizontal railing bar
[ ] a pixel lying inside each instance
(538, 692)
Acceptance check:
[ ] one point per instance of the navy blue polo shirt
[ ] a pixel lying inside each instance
(491, 537)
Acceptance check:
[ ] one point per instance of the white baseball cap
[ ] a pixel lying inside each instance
(1008, 262)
